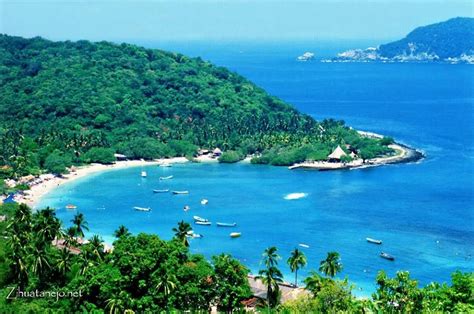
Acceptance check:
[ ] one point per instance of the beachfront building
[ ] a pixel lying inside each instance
(259, 293)
(120, 157)
(337, 154)
(216, 152)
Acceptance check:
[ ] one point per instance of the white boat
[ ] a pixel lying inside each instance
(161, 191)
(203, 223)
(197, 236)
(143, 174)
(186, 208)
(204, 201)
(224, 224)
(166, 178)
(142, 209)
(197, 218)
(304, 245)
(180, 192)
(375, 241)
(235, 234)
(165, 165)
(306, 56)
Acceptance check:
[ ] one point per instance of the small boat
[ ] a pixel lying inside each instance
(186, 208)
(165, 165)
(223, 224)
(166, 178)
(204, 201)
(374, 241)
(142, 209)
(197, 218)
(306, 56)
(387, 256)
(180, 192)
(304, 245)
(143, 174)
(71, 206)
(161, 191)
(197, 236)
(235, 234)
(203, 223)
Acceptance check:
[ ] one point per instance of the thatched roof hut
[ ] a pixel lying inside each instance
(337, 154)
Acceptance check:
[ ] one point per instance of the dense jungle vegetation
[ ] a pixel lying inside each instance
(65, 103)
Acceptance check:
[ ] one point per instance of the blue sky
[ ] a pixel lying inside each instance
(223, 20)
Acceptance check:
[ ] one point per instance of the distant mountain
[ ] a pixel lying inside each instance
(450, 41)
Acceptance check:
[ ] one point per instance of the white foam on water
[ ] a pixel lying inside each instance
(295, 196)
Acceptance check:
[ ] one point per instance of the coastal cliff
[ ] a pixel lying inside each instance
(451, 41)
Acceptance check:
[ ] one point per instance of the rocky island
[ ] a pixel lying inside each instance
(451, 41)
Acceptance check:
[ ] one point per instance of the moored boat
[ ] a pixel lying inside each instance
(142, 209)
(71, 206)
(304, 245)
(165, 165)
(143, 174)
(161, 191)
(387, 256)
(197, 218)
(375, 241)
(166, 178)
(204, 201)
(235, 234)
(203, 223)
(180, 192)
(224, 224)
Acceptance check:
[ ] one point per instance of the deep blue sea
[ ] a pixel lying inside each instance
(422, 211)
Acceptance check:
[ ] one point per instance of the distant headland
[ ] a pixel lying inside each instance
(451, 41)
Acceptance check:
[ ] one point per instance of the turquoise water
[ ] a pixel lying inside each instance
(423, 211)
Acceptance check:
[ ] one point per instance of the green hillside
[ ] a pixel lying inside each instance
(449, 39)
(63, 103)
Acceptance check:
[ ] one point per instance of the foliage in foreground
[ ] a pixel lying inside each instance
(145, 273)
(142, 273)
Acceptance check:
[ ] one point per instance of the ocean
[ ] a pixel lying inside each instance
(423, 212)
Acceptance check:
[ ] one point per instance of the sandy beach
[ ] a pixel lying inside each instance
(32, 196)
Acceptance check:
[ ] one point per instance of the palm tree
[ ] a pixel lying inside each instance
(314, 282)
(19, 262)
(63, 262)
(80, 224)
(40, 261)
(182, 232)
(47, 226)
(122, 231)
(271, 277)
(70, 236)
(296, 261)
(166, 284)
(270, 257)
(84, 263)
(331, 265)
(96, 247)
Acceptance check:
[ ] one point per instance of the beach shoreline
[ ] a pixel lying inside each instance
(32, 196)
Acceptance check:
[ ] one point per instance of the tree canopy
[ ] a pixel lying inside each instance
(63, 103)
